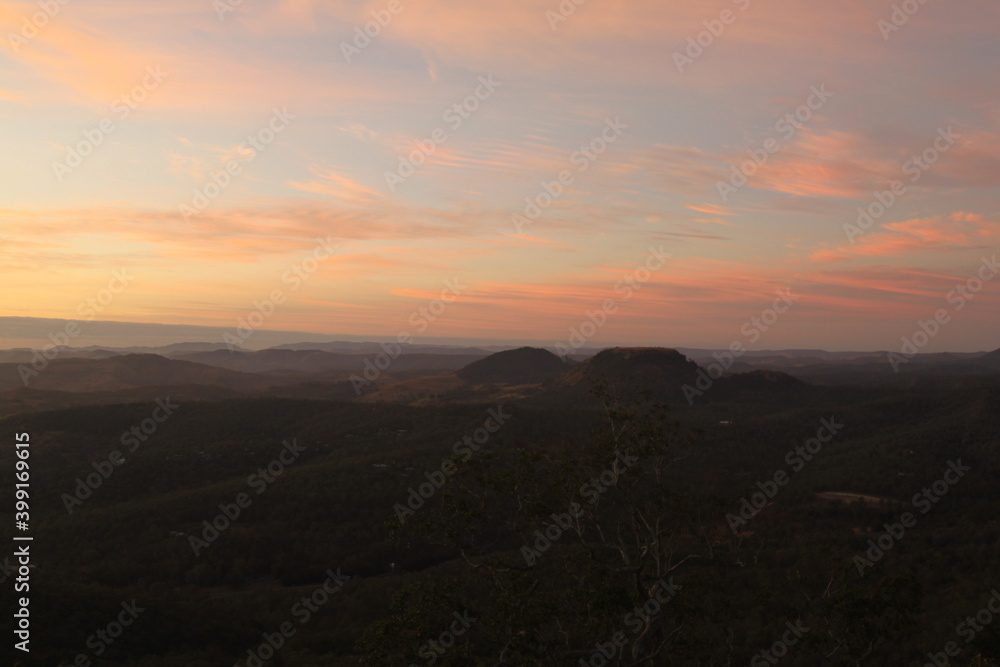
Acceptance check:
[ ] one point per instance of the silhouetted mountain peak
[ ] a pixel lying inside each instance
(635, 363)
(628, 372)
(524, 365)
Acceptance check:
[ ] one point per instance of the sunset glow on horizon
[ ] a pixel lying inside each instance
(530, 160)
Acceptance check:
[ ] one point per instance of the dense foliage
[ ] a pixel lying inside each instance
(660, 518)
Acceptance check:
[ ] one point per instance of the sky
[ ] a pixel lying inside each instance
(609, 172)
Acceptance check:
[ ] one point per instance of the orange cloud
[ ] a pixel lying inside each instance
(343, 189)
(710, 209)
(958, 231)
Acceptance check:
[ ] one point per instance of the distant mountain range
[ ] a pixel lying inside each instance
(541, 377)
(422, 375)
(309, 360)
(36, 332)
(125, 372)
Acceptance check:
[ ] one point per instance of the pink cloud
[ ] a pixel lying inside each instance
(958, 231)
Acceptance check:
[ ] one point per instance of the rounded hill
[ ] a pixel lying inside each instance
(525, 365)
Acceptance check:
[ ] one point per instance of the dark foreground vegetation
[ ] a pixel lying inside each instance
(781, 523)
